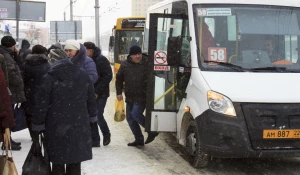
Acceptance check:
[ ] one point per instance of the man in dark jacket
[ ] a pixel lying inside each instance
(65, 105)
(133, 72)
(15, 80)
(102, 92)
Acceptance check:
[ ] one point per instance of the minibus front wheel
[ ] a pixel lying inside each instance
(196, 157)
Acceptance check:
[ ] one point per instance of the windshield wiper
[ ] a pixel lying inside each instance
(229, 65)
(272, 68)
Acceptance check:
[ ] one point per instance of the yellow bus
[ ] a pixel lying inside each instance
(127, 32)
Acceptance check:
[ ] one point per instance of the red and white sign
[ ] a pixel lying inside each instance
(162, 68)
(217, 54)
(160, 57)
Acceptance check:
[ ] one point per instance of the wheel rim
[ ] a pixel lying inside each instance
(191, 144)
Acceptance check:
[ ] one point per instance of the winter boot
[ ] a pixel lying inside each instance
(106, 140)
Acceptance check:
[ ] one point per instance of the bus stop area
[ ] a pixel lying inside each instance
(164, 156)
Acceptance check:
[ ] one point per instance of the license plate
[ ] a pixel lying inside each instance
(281, 134)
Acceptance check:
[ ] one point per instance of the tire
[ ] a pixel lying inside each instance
(196, 157)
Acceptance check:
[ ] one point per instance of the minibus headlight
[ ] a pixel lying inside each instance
(219, 103)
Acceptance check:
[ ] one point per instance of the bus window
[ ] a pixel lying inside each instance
(127, 32)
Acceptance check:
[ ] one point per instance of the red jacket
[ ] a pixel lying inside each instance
(6, 113)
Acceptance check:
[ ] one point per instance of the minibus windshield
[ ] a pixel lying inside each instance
(254, 38)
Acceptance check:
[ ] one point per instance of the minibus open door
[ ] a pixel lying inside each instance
(165, 31)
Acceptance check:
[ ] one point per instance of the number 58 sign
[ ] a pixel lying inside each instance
(217, 54)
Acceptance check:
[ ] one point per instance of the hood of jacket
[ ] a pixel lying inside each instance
(97, 53)
(35, 59)
(79, 58)
(25, 44)
(64, 70)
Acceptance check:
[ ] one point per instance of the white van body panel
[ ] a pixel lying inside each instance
(255, 87)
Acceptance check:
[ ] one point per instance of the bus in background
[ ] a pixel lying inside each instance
(127, 32)
(222, 76)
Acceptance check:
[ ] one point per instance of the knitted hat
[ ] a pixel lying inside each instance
(8, 41)
(89, 45)
(72, 45)
(57, 54)
(58, 45)
(135, 50)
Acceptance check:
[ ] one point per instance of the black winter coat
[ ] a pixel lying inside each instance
(15, 79)
(35, 66)
(65, 106)
(104, 74)
(135, 78)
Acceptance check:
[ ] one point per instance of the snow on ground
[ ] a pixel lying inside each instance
(117, 158)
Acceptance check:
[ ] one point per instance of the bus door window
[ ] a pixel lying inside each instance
(165, 81)
(184, 71)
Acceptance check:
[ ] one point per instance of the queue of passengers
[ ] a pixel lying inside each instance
(62, 93)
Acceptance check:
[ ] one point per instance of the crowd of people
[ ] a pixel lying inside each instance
(63, 91)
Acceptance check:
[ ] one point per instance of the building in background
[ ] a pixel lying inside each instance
(139, 7)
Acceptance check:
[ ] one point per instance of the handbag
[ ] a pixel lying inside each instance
(7, 165)
(119, 110)
(35, 159)
(20, 118)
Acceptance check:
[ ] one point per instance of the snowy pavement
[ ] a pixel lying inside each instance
(117, 158)
(161, 157)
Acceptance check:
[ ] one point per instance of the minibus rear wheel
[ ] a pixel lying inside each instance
(196, 157)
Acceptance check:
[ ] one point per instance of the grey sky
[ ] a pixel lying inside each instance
(56, 8)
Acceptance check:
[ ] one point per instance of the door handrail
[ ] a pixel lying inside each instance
(164, 94)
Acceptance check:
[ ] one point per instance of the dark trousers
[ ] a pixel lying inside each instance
(70, 169)
(28, 117)
(101, 102)
(135, 118)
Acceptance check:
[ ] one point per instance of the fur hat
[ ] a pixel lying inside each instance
(135, 50)
(8, 41)
(72, 45)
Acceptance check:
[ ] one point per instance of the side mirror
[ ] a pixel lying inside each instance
(174, 50)
(111, 41)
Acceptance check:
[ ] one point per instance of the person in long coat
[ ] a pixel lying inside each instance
(65, 108)
(35, 66)
(6, 113)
